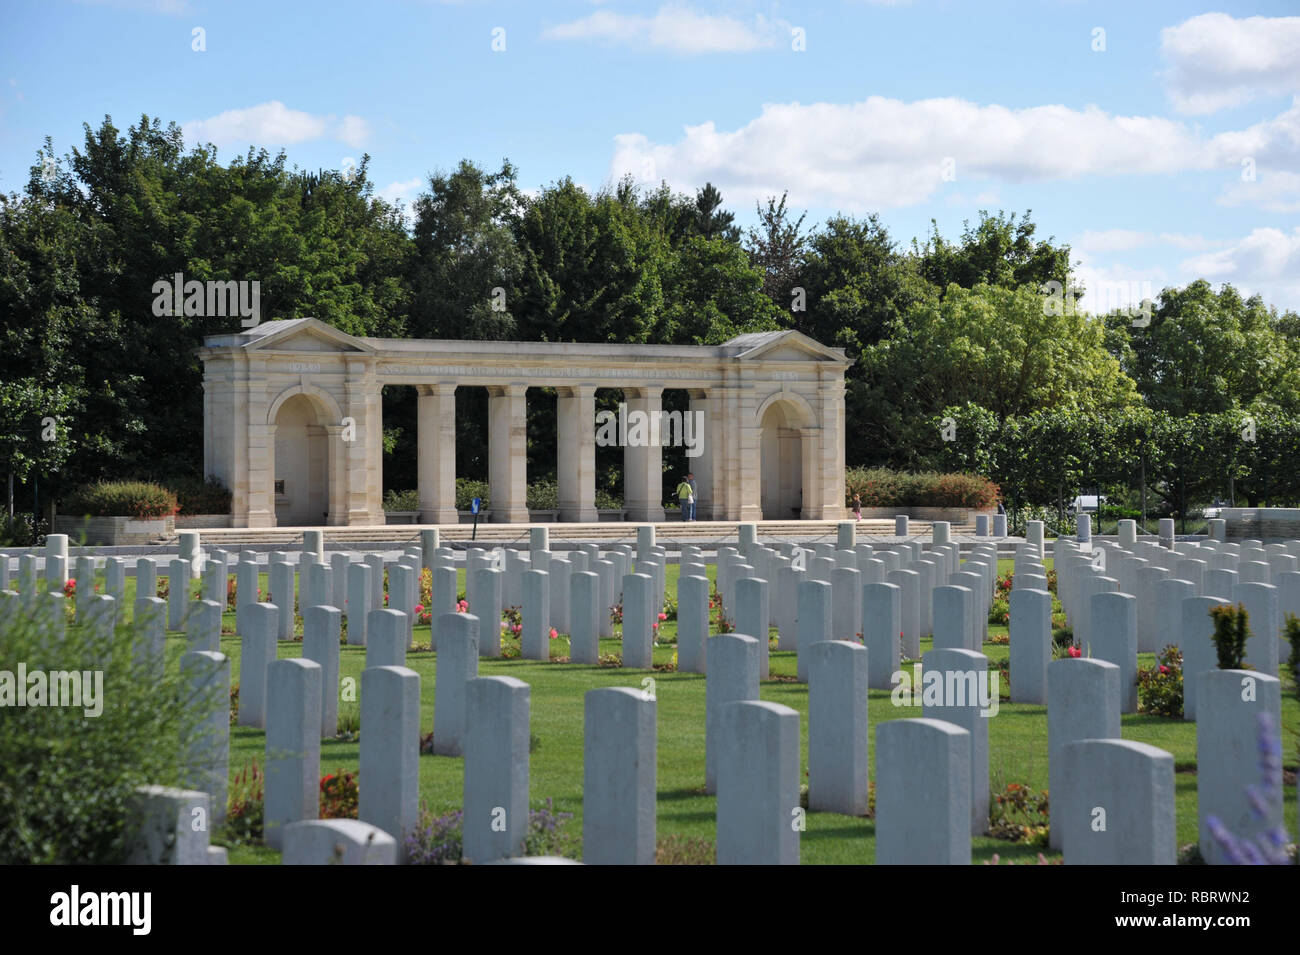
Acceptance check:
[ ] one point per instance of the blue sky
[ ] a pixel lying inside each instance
(1161, 140)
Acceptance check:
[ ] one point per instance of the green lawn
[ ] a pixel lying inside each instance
(1017, 742)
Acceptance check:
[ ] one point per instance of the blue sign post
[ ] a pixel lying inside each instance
(474, 507)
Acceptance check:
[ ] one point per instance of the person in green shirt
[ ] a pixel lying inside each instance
(686, 496)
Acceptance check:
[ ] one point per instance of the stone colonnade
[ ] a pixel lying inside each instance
(293, 422)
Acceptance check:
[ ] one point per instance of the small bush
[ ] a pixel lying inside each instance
(467, 490)
(1292, 634)
(1000, 611)
(881, 487)
(22, 531)
(542, 496)
(339, 795)
(1160, 688)
(68, 778)
(1019, 814)
(201, 497)
(607, 501)
(121, 499)
(245, 815)
(1231, 631)
(402, 501)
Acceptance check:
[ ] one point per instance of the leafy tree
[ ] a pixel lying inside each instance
(713, 293)
(466, 262)
(711, 220)
(778, 247)
(997, 250)
(591, 268)
(995, 347)
(1207, 351)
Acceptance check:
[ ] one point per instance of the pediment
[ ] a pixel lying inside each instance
(789, 345)
(304, 335)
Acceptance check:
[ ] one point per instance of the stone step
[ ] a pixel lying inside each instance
(559, 533)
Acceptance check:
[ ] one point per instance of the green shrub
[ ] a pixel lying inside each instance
(402, 501)
(543, 496)
(1160, 688)
(881, 487)
(121, 499)
(21, 531)
(201, 497)
(67, 779)
(1231, 631)
(1292, 634)
(607, 501)
(467, 490)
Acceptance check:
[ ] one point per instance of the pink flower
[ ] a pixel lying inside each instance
(517, 628)
(1163, 668)
(654, 626)
(663, 616)
(1074, 652)
(553, 633)
(419, 608)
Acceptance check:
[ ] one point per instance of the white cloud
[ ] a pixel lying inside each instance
(1266, 255)
(273, 124)
(883, 153)
(677, 29)
(1216, 61)
(401, 190)
(1116, 275)
(1273, 191)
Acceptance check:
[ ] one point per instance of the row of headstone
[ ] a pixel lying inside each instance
(1160, 580)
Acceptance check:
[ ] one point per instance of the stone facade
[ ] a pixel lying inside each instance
(296, 403)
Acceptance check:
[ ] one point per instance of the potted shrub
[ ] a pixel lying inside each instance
(402, 507)
(118, 512)
(202, 503)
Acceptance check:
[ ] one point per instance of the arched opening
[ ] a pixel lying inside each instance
(301, 487)
(781, 446)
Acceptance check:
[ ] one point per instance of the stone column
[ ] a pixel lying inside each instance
(364, 456)
(508, 453)
(575, 411)
(437, 453)
(643, 463)
(701, 464)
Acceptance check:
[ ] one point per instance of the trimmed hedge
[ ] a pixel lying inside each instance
(121, 499)
(201, 497)
(881, 487)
